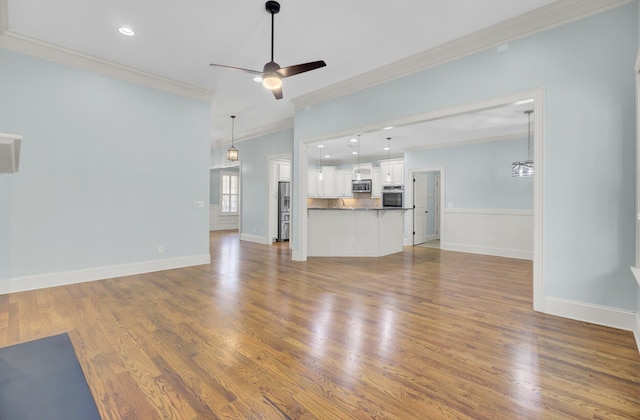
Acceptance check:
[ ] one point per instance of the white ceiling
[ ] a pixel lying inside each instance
(178, 39)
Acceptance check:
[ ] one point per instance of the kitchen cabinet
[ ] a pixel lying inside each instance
(284, 171)
(343, 183)
(365, 232)
(364, 169)
(376, 185)
(312, 183)
(395, 168)
(327, 185)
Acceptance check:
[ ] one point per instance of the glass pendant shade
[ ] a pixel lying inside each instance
(272, 81)
(524, 168)
(232, 153)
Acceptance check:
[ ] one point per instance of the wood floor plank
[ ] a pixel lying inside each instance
(424, 334)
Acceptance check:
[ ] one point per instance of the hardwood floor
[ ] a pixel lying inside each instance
(424, 334)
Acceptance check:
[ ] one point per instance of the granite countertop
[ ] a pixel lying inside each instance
(358, 208)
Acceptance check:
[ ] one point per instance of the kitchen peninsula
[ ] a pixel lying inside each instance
(355, 231)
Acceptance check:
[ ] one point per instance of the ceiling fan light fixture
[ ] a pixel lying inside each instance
(272, 81)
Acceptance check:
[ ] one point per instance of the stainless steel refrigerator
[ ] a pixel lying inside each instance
(284, 207)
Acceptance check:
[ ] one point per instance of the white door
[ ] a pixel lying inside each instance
(419, 208)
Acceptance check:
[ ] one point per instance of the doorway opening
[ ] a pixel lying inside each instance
(427, 206)
(278, 217)
(225, 202)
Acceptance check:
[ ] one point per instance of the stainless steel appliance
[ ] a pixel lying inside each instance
(361, 186)
(392, 196)
(284, 209)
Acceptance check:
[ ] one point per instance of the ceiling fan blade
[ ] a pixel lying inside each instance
(236, 68)
(277, 93)
(301, 68)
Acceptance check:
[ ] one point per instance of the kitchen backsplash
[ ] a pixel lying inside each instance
(348, 202)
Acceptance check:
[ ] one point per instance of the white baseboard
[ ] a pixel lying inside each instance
(254, 238)
(21, 284)
(497, 252)
(297, 256)
(636, 331)
(228, 226)
(594, 314)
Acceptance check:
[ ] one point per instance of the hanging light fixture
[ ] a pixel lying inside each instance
(525, 168)
(320, 146)
(232, 153)
(358, 174)
(388, 160)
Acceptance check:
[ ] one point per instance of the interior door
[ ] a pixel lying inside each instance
(419, 208)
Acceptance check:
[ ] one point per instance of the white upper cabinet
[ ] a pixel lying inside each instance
(327, 187)
(343, 183)
(284, 171)
(312, 183)
(376, 185)
(394, 168)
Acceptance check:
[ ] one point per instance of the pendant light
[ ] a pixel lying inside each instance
(524, 168)
(232, 153)
(388, 160)
(320, 146)
(358, 174)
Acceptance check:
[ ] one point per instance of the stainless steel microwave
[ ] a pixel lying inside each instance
(361, 186)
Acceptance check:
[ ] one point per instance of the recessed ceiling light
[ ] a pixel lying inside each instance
(388, 128)
(126, 31)
(354, 153)
(258, 79)
(386, 148)
(321, 146)
(353, 140)
(327, 156)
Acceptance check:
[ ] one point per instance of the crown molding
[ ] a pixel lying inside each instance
(47, 51)
(547, 17)
(253, 133)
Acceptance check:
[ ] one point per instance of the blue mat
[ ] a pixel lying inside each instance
(42, 379)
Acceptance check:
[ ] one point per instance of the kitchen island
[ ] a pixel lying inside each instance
(355, 232)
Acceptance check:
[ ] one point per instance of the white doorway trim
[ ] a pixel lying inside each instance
(408, 224)
(300, 216)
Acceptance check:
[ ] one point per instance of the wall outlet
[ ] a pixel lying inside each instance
(199, 204)
(160, 249)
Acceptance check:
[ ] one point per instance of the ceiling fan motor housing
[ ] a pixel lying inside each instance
(272, 7)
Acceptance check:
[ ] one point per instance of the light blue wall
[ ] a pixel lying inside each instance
(214, 186)
(5, 226)
(586, 70)
(109, 170)
(478, 176)
(254, 157)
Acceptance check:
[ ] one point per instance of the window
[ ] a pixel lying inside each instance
(229, 193)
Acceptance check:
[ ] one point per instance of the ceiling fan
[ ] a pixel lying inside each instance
(272, 74)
